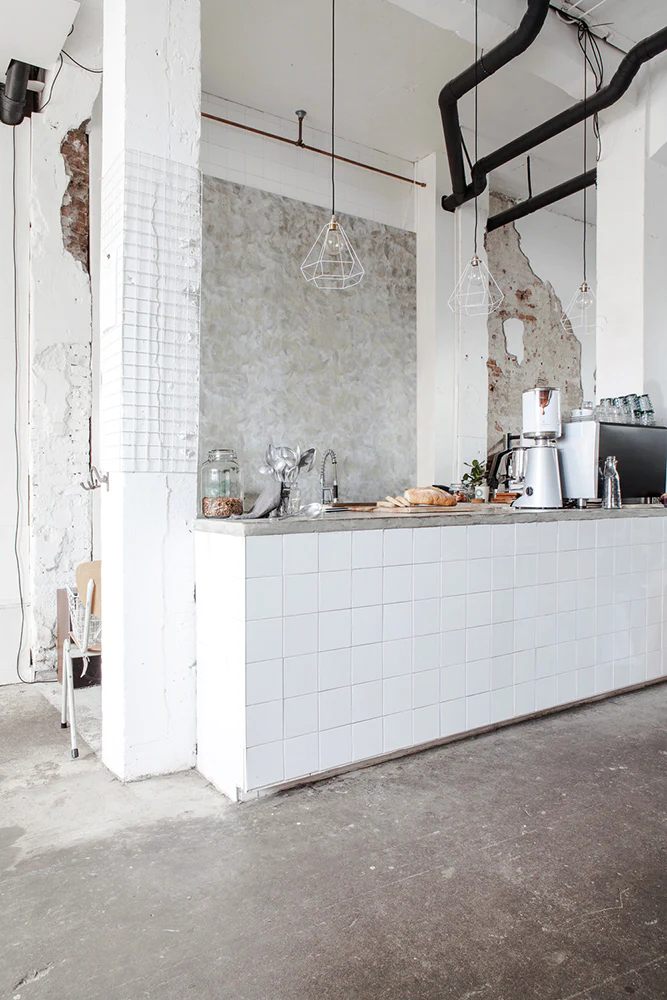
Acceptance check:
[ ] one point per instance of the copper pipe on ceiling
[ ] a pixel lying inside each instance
(312, 149)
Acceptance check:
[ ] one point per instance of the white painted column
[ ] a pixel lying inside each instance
(149, 300)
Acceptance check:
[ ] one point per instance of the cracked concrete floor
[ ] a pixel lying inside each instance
(525, 864)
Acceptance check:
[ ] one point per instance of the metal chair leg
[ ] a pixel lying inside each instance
(70, 705)
(63, 713)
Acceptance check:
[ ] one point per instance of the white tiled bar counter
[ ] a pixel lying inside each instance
(323, 644)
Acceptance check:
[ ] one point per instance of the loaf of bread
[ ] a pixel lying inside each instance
(430, 495)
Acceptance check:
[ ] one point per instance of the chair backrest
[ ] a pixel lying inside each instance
(90, 571)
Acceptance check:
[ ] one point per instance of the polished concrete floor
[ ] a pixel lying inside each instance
(529, 863)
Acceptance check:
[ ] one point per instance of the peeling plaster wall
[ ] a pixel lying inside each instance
(60, 335)
(527, 344)
(285, 362)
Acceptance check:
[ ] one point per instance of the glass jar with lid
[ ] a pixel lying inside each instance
(221, 484)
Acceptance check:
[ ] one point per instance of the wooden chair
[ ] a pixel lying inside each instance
(84, 638)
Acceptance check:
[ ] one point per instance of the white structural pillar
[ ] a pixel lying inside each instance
(149, 367)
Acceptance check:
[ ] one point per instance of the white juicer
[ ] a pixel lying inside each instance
(541, 429)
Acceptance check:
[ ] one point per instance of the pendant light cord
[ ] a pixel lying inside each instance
(585, 152)
(333, 106)
(476, 117)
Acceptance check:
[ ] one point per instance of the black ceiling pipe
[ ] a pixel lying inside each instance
(549, 197)
(13, 93)
(641, 53)
(512, 46)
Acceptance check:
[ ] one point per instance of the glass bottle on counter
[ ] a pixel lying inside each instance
(221, 484)
(611, 494)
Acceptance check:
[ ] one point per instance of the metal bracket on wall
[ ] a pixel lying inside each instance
(95, 480)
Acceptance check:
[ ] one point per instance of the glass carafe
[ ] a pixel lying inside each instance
(221, 484)
(611, 493)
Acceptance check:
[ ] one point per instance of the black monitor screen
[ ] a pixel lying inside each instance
(641, 454)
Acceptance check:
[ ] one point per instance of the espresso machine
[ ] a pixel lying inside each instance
(541, 429)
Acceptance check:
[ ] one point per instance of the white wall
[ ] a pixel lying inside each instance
(10, 608)
(235, 155)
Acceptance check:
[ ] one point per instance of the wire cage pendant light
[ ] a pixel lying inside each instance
(332, 261)
(477, 293)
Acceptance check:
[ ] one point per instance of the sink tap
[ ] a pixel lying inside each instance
(329, 490)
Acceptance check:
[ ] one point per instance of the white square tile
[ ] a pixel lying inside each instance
(605, 648)
(547, 567)
(502, 671)
(366, 549)
(478, 643)
(452, 682)
(502, 572)
(426, 617)
(604, 677)
(653, 664)
(301, 756)
(453, 543)
(300, 635)
(398, 546)
(604, 591)
(453, 648)
(605, 533)
(479, 574)
(264, 681)
(479, 541)
(264, 764)
(653, 638)
(426, 580)
(397, 657)
(300, 553)
(335, 707)
(502, 638)
(425, 724)
(586, 538)
(335, 590)
(301, 594)
(545, 661)
(300, 675)
(524, 698)
(586, 682)
(453, 717)
(524, 634)
(264, 723)
(502, 606)
(300, 715)
(334, 667)
(397, 584)
(566, 597)
(397, 731)
(502, 540)
(638, 668)
(638, 640)
(335, 551)
(366, 625)
(367, 739)
(478, 609)
(478, 710)
(545, 630)
(567, 625)
(545, 693)
(264, 639)
(567, 564)
(425, 652)
(427, 545)
(526, 538)
(586, 564)
(397, 694)
(525, 570)
(264, 597)
(524, 602)
(585, 623)
(622, 646)
(452, 613)
(622, 673)
(654, 556)
(397, 621)
(524, 666)
(367, 662)
(502, 704)
(585, 594)
(640, 530)
(366, 701)
(335, 629)
(566, 656)
(568, 536)
(366, 586)
(478, 676)
(426, 688)
(622, 559)
(264, 557)
(335, 747)
(547, 536)
(566, 687)
(454, 578)
(653, 611)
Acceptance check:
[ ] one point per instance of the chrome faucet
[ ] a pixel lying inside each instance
(329, 490)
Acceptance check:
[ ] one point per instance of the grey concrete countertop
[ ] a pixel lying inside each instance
(385, 518)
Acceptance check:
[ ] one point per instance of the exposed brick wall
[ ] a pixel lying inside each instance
(74, 213)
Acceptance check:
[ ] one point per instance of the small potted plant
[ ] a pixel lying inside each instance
(474, 482)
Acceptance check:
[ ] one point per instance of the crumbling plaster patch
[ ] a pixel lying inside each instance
(551, 356)
(74, 213)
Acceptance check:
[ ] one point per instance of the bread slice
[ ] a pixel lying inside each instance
(430, 495)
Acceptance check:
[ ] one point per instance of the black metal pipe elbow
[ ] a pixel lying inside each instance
(14, 92)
